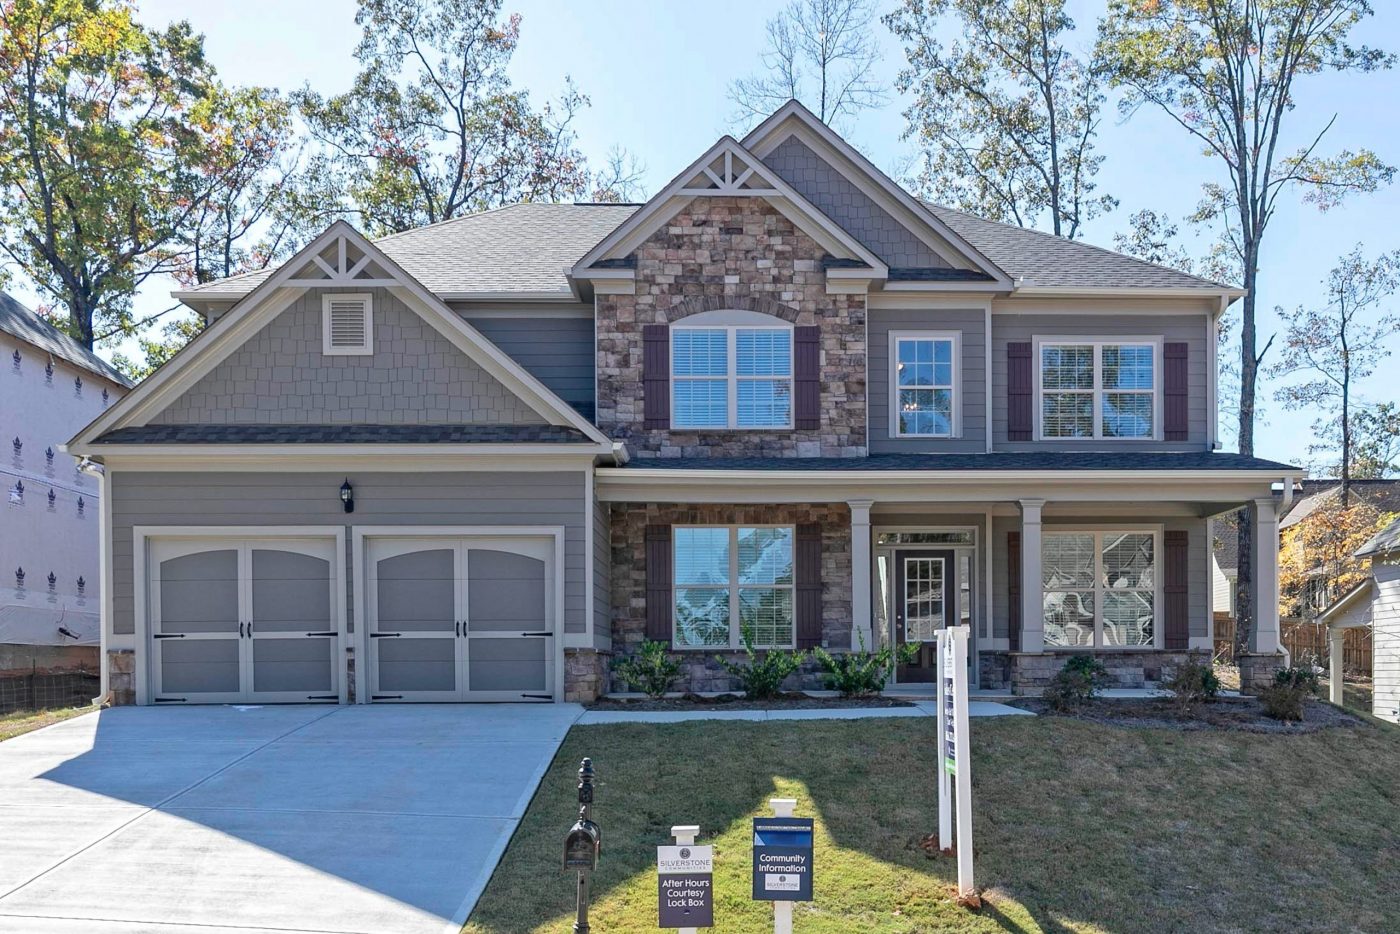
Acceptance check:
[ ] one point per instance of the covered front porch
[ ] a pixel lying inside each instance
(1039, 564)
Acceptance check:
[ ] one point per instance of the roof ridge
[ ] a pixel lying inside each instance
(1084, 243)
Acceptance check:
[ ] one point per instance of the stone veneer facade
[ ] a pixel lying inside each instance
(1030, 673)
(700, 671)
(732, 253)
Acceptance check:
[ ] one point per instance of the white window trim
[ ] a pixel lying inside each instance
(326, 348)
(1098, 343)
(955, 337)
(736, 638)
(732, 378)
(1098, 531)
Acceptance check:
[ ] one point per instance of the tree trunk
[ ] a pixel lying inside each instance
(1249, 364)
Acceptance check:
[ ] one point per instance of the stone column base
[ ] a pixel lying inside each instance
(1257, 671)
(586, 675)
(121, 677)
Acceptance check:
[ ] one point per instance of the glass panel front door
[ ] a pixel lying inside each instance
(925, 601)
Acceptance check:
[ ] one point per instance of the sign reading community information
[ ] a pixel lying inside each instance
(685, 896)
(782, 859)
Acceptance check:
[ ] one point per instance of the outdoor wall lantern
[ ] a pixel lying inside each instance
(347, 495)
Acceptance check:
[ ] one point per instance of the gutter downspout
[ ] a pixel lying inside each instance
(88, 466)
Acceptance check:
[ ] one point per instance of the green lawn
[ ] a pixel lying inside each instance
(1079, 827)
(13, 724)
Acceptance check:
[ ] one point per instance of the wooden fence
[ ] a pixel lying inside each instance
(1306, 641)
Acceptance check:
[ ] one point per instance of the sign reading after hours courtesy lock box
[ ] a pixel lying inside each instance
(782, 859)
(685, 891)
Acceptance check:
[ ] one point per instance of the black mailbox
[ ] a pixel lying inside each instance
(581, 847)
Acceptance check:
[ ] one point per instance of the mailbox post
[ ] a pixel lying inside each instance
(582, 845)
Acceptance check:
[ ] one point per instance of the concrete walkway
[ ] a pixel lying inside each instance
(920, 709)
(352, 820)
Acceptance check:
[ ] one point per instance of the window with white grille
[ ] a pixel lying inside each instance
(1099, 389)
(347, 324)
(731, 377)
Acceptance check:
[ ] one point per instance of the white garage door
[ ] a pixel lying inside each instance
(244, 620)
(460, 619)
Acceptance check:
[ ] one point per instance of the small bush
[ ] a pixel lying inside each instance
(1192, 684)
(650, 671)
(762, 676)
(1077, 683)
(1285, 698)
(862, 673)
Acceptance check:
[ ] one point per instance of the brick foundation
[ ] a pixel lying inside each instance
(121, 677)
(586, 674)
(700, 670)
(1029, 673)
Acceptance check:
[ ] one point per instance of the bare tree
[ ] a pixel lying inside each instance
(820, 52)
(619, 181)
(1336, 346)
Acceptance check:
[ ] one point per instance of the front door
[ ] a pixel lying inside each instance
(925, 600)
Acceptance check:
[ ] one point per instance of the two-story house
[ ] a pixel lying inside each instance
(475, 460)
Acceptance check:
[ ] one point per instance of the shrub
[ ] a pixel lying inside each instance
(762, 676)
(1077, 683)
(861, 673)
(651, 670)
(1284, 699)
(1193, 683)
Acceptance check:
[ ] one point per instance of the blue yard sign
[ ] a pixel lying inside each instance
(782, 859)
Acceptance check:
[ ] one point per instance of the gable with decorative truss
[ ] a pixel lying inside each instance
(727, 170)
(272, 359)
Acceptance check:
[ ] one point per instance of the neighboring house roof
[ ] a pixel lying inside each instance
(1384, 494)
(1028, 460)
(1383, 542)
(1362, 589)
(344, 434)
(520, 249)
(1044, 260)
(18, 321)
(1227, 543)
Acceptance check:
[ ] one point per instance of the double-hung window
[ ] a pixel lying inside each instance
(1098, 389)
(1099, 588)
(731, 377)
(731, 581)
(924, 384)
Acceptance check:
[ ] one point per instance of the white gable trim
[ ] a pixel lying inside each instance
(918, 219)
(729, 182)
(274, 295)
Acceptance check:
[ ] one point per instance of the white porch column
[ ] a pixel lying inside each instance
(1032, 605)
(861, 609)
(1336, 638)
(1265, 640)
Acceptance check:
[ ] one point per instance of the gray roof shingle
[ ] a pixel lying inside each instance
(526, 248)
(343, 434)
(20, 322)
(1028, 460)
(1383, 542)
(517, 248)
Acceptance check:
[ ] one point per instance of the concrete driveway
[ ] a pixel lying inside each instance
(381, 820)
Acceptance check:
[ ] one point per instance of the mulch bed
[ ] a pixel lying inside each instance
(1237, 714)
(792, 700)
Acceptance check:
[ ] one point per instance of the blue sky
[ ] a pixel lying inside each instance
(657, 73)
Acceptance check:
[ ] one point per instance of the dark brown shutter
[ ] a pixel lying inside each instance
(1175, 391)
(809, 586)
(656, 375)
(1013, 589)
(1176, 614)
(1019, 391)
(806, 377)
(659, 583)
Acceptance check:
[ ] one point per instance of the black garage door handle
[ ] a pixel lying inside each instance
(384, 635)
(536, 634)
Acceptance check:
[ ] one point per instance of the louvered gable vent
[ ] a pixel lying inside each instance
(347, 324)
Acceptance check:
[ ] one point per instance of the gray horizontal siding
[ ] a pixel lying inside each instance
(971, 392)
(312, 499)
(280, 376)
(1197, 560)
(556, 351)
(1190, 329)
(602, 576)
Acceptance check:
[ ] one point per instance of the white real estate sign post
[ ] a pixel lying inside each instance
(954, 762)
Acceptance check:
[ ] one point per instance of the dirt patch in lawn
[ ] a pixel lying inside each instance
(1243, 714)
(788, 701)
